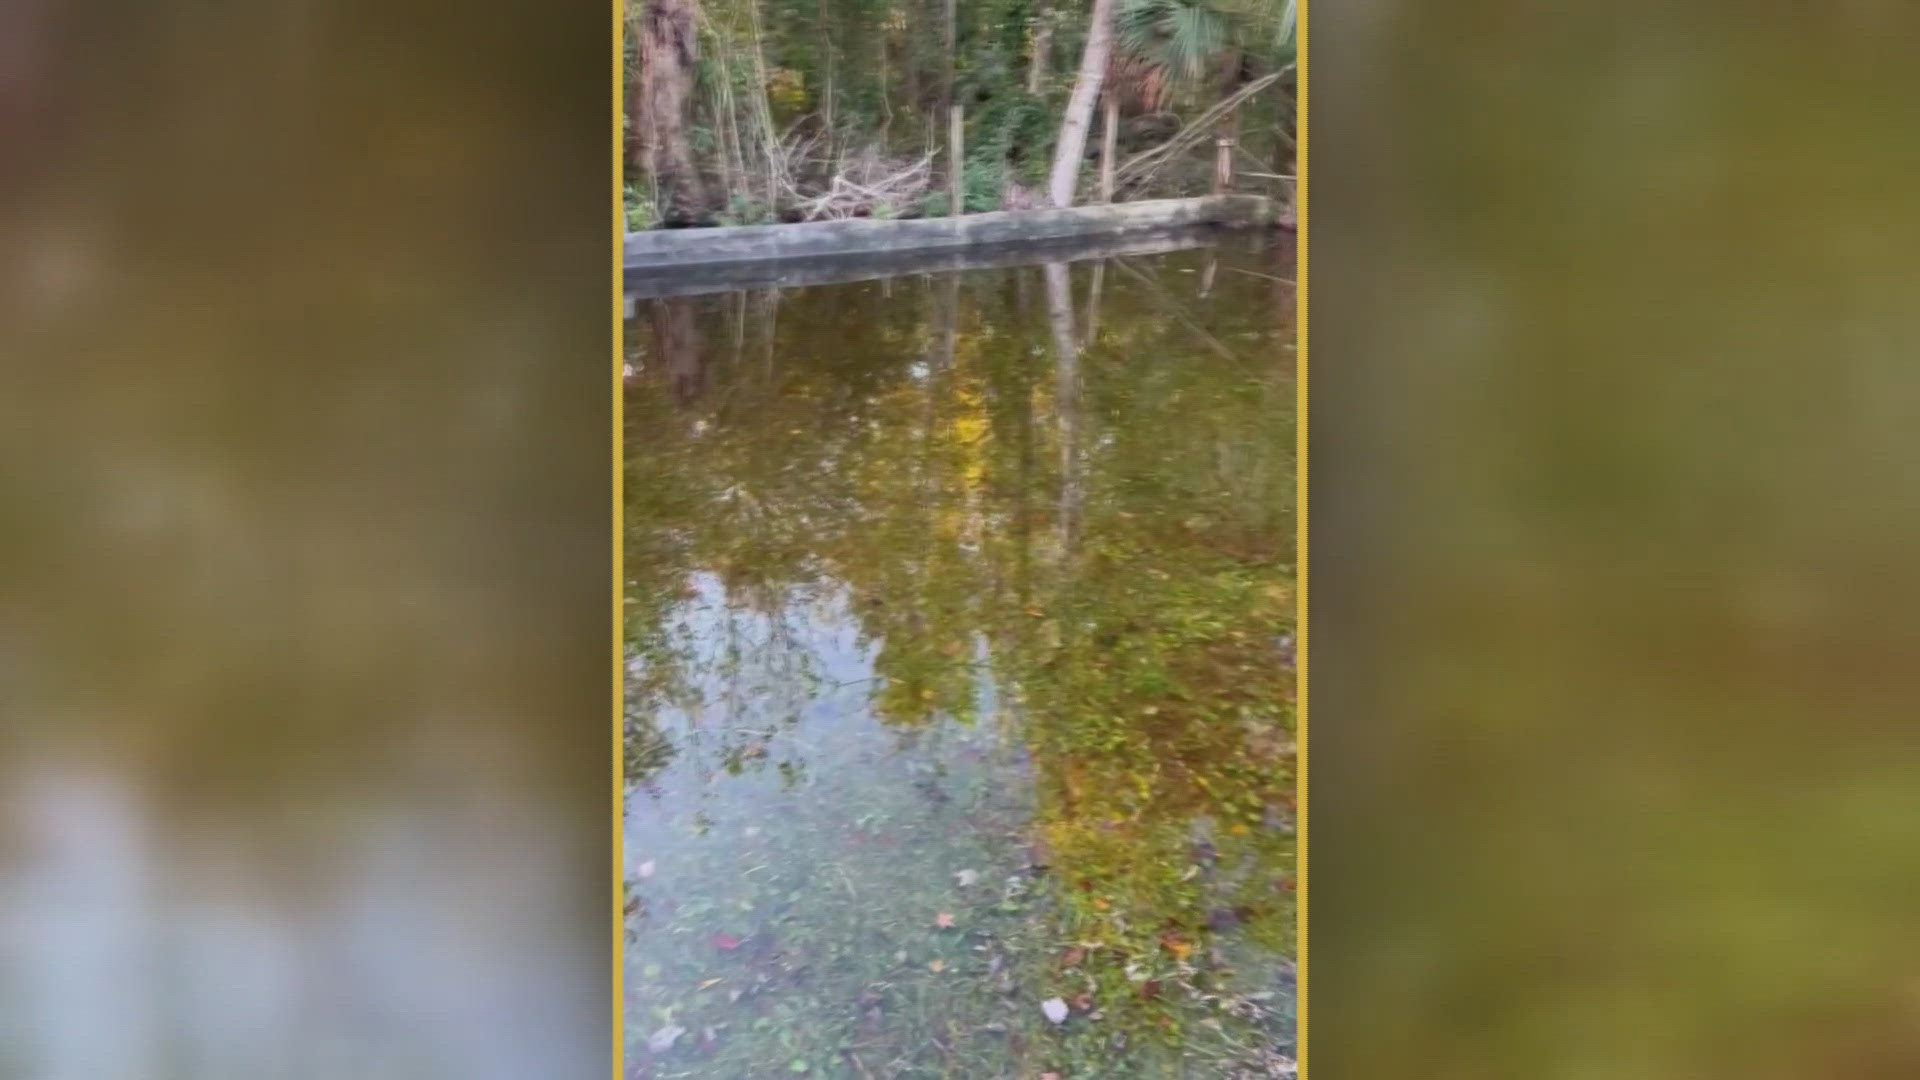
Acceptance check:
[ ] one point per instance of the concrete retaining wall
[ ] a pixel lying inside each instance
(691, 280)
(666, 249)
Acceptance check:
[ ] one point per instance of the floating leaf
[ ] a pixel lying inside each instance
(709, 984)
(944, 920)
(937, 966)
(967, 877)
(1055, 1010)
(662, 1041)
(646, 869)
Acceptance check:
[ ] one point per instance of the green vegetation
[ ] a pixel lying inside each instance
(746, 111)
(960, 683)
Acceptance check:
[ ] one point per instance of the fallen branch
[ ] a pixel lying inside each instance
(1142, 166)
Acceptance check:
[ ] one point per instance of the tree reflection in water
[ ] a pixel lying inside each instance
(1078, 550)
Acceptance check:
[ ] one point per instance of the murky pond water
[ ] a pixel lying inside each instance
(960, 689)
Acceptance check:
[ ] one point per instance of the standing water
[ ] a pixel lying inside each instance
(959, 723)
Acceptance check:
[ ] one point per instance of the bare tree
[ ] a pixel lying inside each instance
(1078, 119)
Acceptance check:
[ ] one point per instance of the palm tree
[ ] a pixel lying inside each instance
(1181, 41)
(669, 48)
(1171, 50)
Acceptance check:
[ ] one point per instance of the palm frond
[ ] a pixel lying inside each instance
(1186, 37)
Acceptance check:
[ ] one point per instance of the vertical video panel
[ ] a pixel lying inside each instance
(960, 573)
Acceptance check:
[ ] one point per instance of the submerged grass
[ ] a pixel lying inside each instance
(960, 686)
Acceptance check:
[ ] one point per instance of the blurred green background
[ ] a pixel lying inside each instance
(1615, 416)
(305, 513)
(306, 520)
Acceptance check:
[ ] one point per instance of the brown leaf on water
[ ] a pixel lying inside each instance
(944, 920)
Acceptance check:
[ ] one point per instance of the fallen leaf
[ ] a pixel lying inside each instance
(937, 966)
(1084, 1002)
(662, 1041)
(1100, 903)
(1055, 1010)
(726, 942)
(709, 984)
(944, 920)
(1073, 956)
(1150, 989)
(646, 869)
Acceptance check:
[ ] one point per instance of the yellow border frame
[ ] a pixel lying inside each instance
(619, 568)
(1301, 227)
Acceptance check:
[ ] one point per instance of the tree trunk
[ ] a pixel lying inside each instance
(669, 47)
(952, 43)
(1072, 147)
(1037, 64)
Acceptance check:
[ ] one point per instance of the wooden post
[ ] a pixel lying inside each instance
(1223, 144)
(1109, 139)
(956, 164)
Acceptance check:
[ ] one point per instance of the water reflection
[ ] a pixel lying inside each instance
(960, 673)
